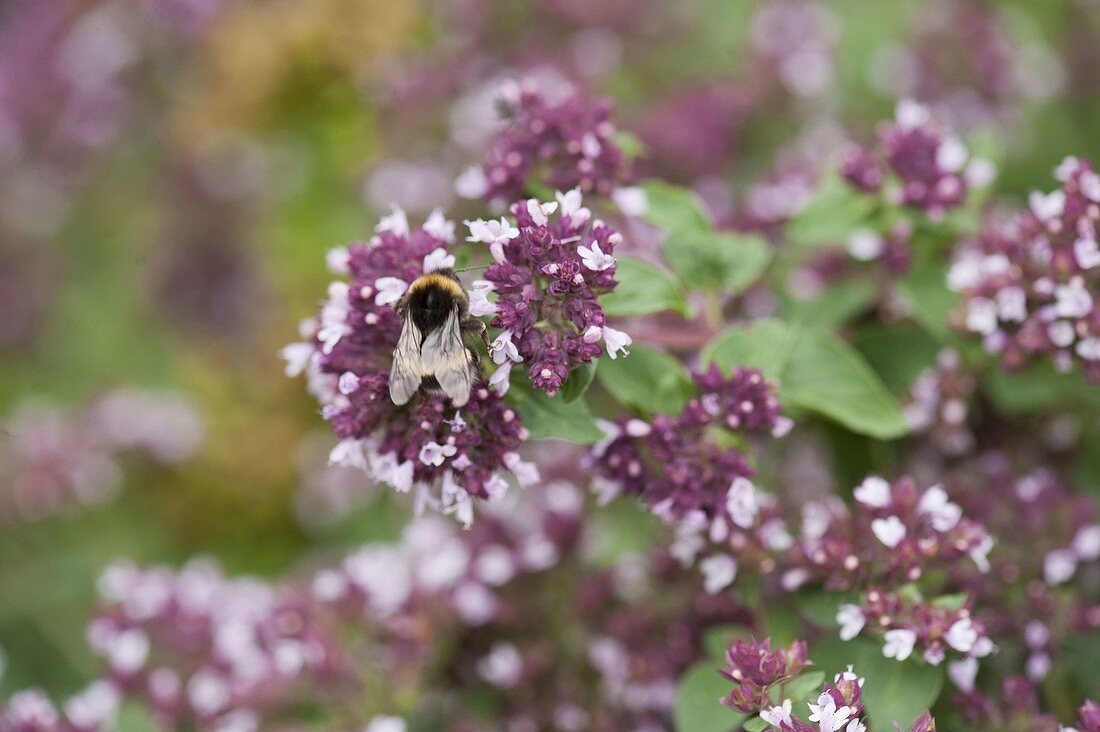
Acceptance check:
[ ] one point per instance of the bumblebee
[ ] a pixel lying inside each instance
(431, 352)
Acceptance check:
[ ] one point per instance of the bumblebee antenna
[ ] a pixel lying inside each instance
(470, 269)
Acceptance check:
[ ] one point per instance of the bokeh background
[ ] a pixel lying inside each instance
(172, 173)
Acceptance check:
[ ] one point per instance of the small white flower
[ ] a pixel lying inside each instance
(742, 503)
(383, 723)
(1038, 666)
(527, 474)
(438, 259)
(826, 713)
(1086, 543)
(855, 726)
(571, 208)
(396, 222)
(1090, 186)
(864, 245)
(1059, 566)
(1061, 333)
(1049, 206)
(1012, 305)
(943, 514)
(503, 349)
(439, 226)
(471, 183)
(980, 172)
(851, 620)
(1072, 300)
(899, 643)
(1066, 168)
(951, 155)
(208, 692)
(432, 453)
(540, 212)
(128, 651)
(479, 298)
(632, 201)
(337, 260)
(1089, 349)
(910, 114)
(719, 572)
(493, 231)
(616, 342)
(594, 258)
(962, 635)
(501, 378)
(962, 673)
(590, 145)
(1087, 253)
(980, 554)
(776, 716)
(389, 290)
(981, 315)
(297, 357)
(348, 453)
(890, 530)
(503, 667)
(873, 491)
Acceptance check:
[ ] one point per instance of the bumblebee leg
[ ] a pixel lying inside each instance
(476, 325)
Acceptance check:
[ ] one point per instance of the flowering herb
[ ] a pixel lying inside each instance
(1028, 281)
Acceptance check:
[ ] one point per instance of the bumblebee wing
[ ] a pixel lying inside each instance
(446, 357)
(405, 374)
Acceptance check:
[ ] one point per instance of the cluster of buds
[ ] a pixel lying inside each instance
(547, 276)
(451, 455)
(907, 623)
(1028, 282)
(672, 462)
(204, 649)
(562, 143)
(437, 566)
(1017, 707)
(51, 460)
(922, 166)
(755, 667)
(938, 404)
(1048, 533)
(963, 60)
(94, 709)
(761, 673)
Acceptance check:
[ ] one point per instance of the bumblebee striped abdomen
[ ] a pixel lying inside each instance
(431, 353)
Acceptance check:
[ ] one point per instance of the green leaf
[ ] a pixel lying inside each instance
(756, 724)
(647, 379)
(629, 143)
(132, 717)
(698, 708)
(718, 638)
(816, 371)
(897, 351)
(545, 416)
(803, 686)
(827, 376)
(925, 288)
(764, 344)
(622, 528)
(643, 289)
(834, 306)
(717, 261)
(835, 211)
(578, 382)
(895, 692)
(673, 208)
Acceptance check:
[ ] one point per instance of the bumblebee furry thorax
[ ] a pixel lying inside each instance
(431, 352)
